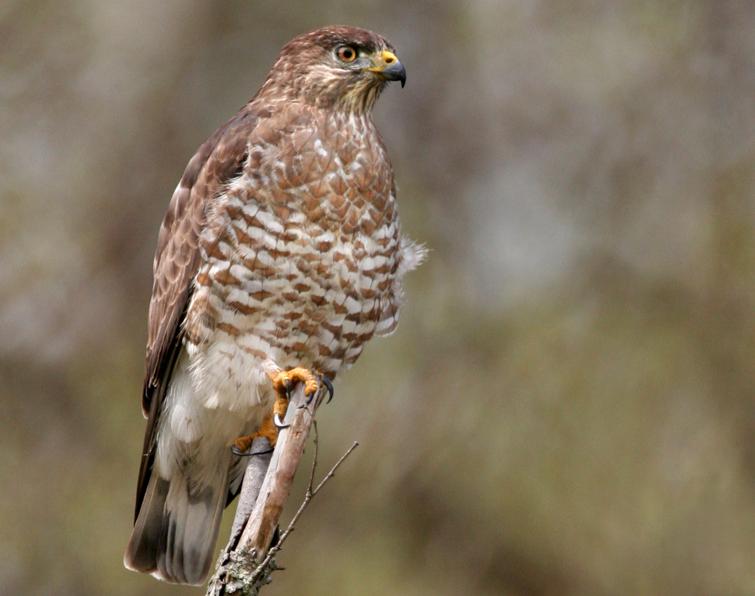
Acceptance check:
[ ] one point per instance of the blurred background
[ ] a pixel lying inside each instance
(567, 406)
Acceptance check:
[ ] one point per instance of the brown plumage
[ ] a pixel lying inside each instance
(281, 248)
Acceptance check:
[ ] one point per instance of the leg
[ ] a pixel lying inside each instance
(267, 429)
(283, 382)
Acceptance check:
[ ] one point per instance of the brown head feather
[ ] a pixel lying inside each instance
(308, 70)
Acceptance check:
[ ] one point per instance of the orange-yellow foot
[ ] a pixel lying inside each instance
(283, 383)
(267, 429)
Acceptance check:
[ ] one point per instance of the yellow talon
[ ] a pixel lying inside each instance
(283, 382)
(267, 429)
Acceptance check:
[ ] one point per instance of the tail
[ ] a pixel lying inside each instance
(175, 532)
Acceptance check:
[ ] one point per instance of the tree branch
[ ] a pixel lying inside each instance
(308, 496)
(248, 561)
(254, 475)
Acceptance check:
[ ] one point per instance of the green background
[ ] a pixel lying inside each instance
(567, 406)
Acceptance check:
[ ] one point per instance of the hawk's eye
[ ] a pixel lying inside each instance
(346, 54)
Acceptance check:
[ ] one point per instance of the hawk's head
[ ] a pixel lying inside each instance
(337, 66)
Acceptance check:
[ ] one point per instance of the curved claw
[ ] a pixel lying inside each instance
(329, 386)
(278, 422)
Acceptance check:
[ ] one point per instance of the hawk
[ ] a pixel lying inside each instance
(279, 257)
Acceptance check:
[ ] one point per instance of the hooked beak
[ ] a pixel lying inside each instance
(387, 65)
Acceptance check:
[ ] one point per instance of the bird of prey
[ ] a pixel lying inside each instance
(279, 257)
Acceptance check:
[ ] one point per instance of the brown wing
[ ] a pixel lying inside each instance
(219, 160)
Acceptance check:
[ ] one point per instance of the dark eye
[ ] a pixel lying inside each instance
(346, 54)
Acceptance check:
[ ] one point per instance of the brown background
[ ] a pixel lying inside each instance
(567, 405)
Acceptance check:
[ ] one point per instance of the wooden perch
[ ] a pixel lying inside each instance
(247, 561)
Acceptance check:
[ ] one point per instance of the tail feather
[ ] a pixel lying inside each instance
(177, 526)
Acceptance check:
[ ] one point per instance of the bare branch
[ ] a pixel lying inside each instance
(332, 472)
(308, 496)
(254, 475)
(248, 561)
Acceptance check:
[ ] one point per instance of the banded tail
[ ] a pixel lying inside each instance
(175, 531)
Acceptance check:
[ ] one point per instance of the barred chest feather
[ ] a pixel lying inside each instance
(302, 256)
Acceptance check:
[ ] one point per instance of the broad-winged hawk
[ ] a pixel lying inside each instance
(279, 257)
